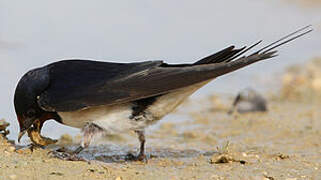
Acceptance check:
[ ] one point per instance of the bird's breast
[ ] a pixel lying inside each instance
(108, 116)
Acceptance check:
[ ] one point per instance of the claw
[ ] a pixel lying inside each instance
(140, 157)
(66, 155)
(35, 146)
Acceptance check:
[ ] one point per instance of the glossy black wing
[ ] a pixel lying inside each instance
(75, 85)
(78, 84)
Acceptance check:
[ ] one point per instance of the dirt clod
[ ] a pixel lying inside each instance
(3, 127)
(56, 173)
(225, 158)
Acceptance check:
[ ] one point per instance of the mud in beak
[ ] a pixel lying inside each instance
(24, 124)
(35, 136)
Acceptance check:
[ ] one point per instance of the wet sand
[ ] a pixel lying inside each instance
(282, 143)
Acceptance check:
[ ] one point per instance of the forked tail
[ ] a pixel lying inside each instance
(231, 59)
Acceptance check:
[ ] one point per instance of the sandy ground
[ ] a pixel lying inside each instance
(284, 143)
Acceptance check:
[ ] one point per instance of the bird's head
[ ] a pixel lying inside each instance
(28, 90)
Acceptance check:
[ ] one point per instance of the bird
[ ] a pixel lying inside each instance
(248, 100)
(102, 97)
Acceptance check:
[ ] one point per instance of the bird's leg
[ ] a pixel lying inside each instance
(89, 131)
(141, 156)
(142, 140)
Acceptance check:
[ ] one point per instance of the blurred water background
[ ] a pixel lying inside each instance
(35, 33)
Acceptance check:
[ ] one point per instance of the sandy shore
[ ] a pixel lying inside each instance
(283, 143)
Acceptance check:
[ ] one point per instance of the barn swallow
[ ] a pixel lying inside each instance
(108, 98)
(248, 100)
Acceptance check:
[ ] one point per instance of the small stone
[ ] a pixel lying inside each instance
(220, 159)
(119, 178)
(57, 173)
(282, 156)
(91, 170)
(242, 161)
(7, 153)
(3, 124)
(19, 151)
(11, 149)
(268, 177)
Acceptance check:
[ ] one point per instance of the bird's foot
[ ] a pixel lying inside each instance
(140, 157)
(33, 147)
(65, 154)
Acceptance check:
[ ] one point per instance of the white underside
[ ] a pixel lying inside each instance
(115, 118)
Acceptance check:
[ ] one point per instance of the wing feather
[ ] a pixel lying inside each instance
(78, 84)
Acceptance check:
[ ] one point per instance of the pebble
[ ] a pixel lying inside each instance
(119, 178)
(11, 149)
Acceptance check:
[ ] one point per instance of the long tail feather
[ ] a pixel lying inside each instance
(230, 53)
(269, 51)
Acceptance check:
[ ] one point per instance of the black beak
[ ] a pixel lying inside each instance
(21, 133)
(237, 99)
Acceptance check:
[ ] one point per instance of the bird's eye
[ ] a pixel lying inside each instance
(31, 112)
